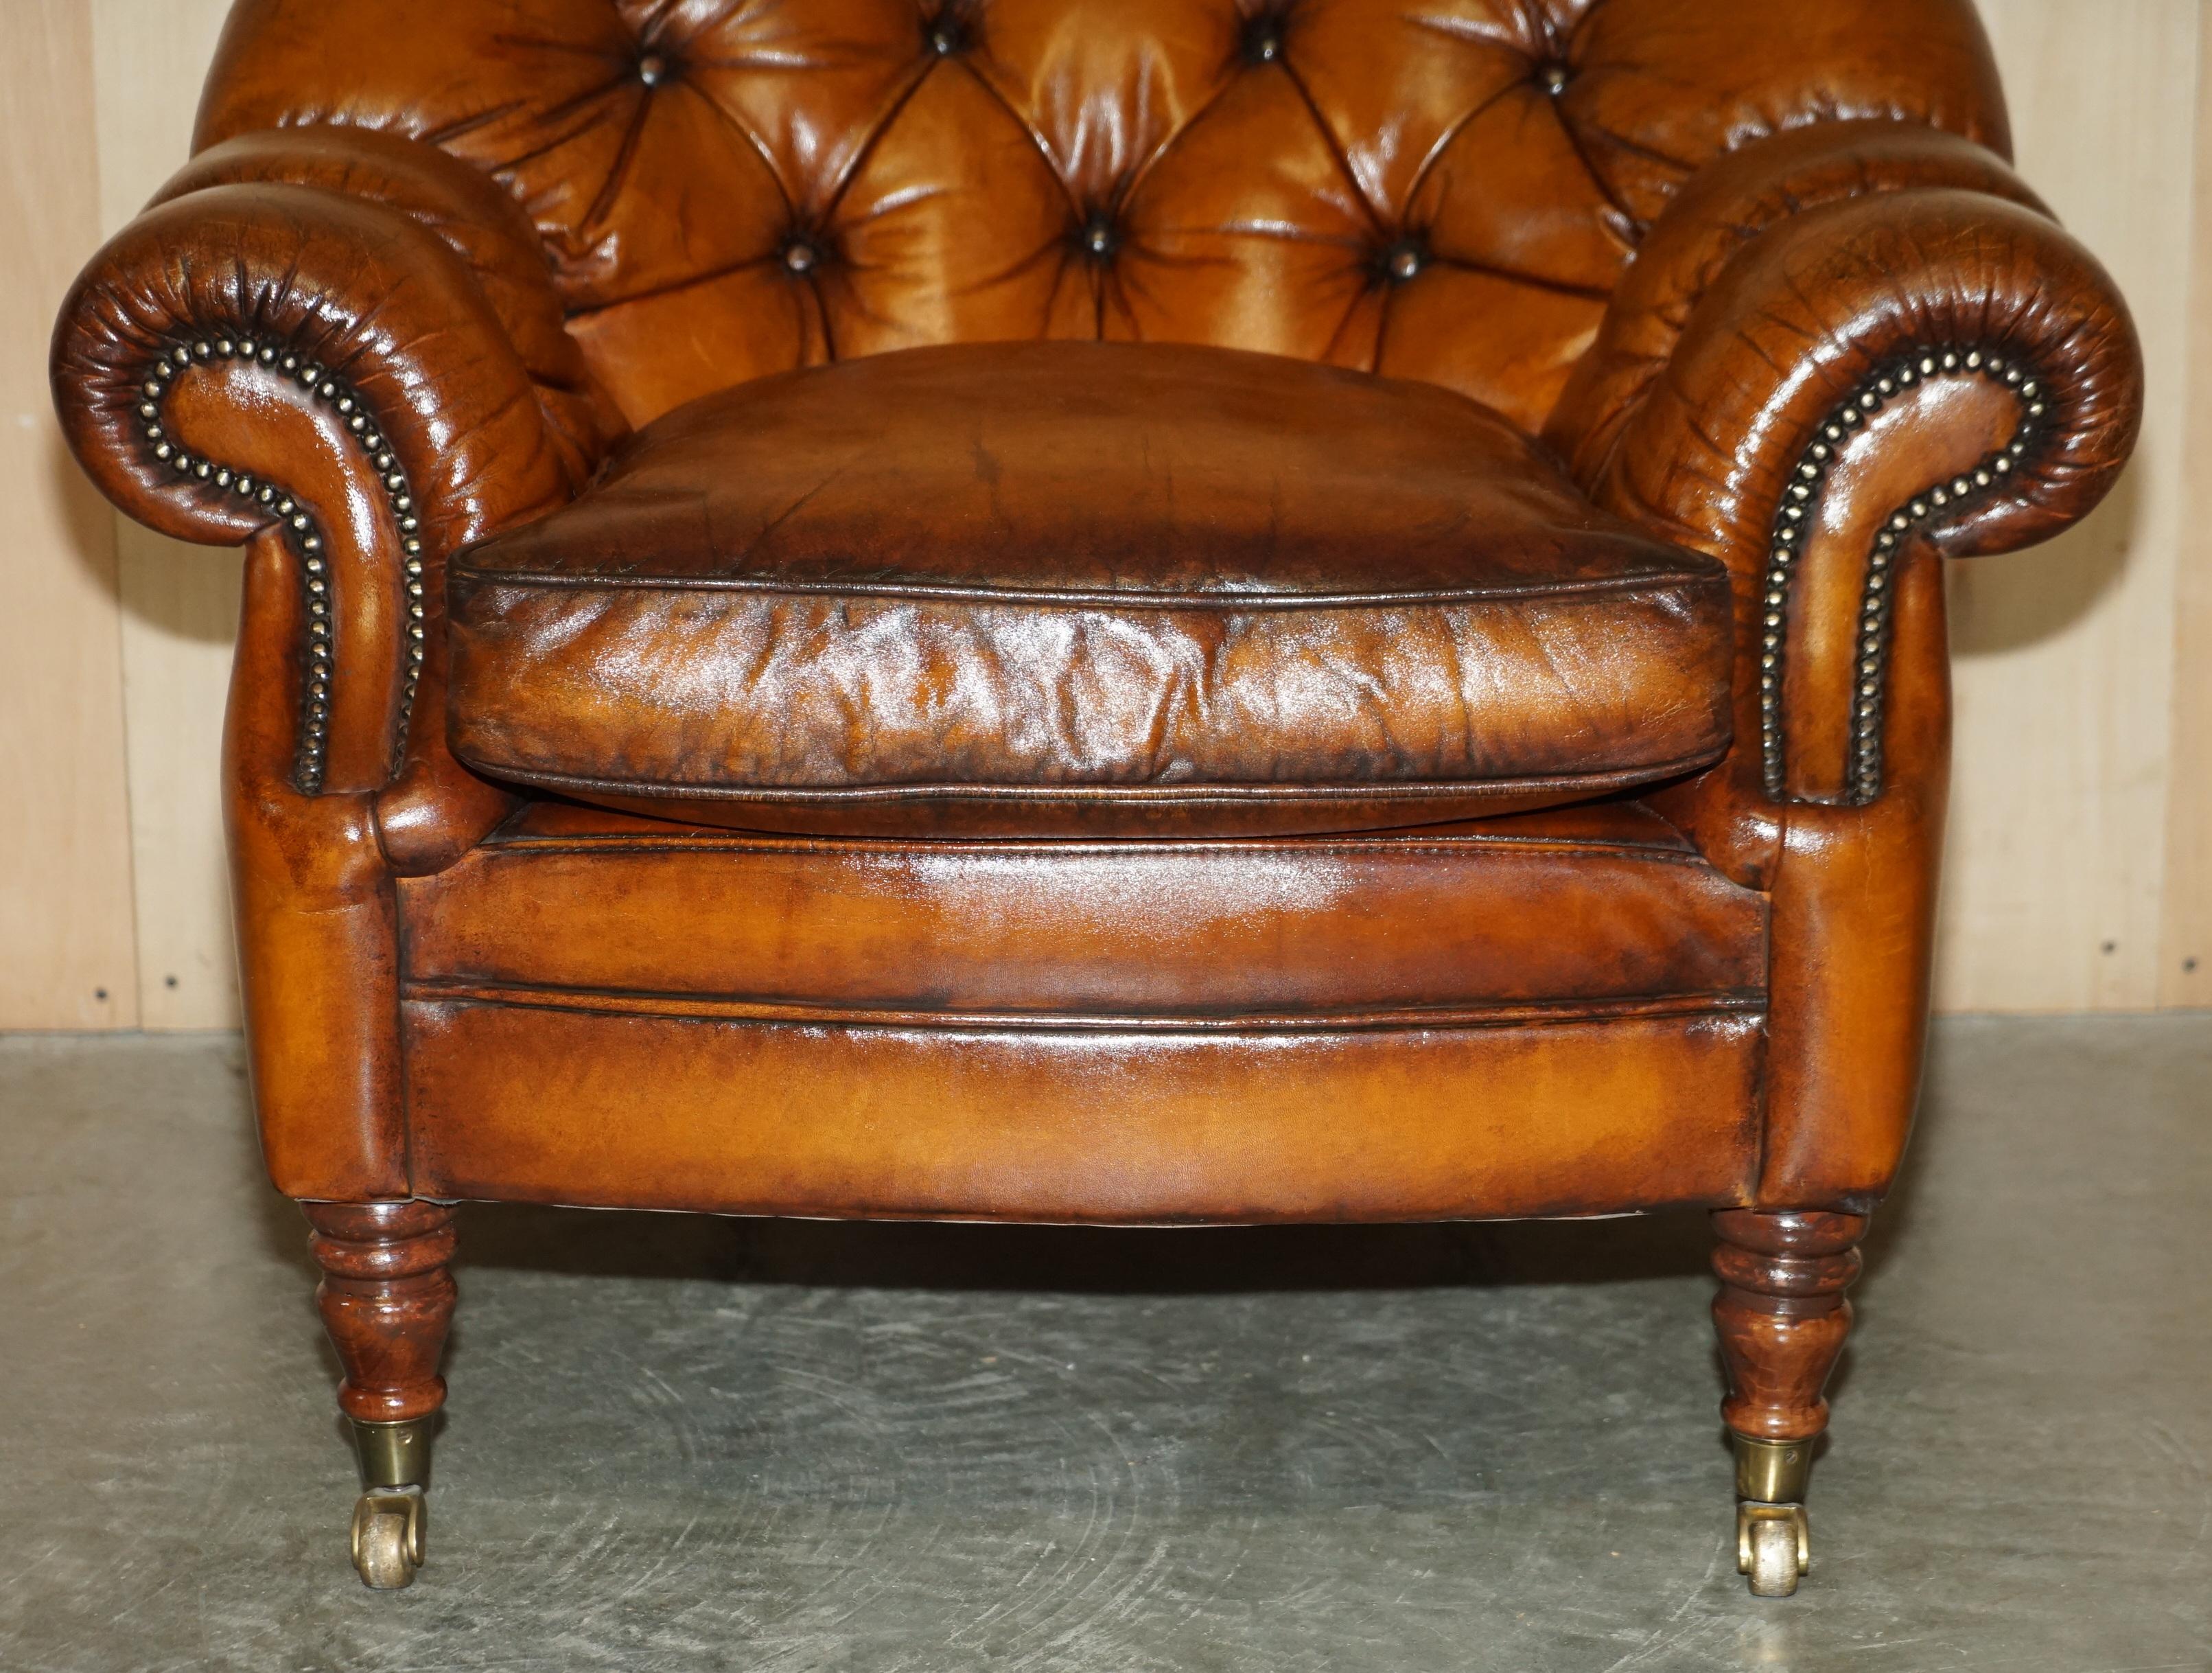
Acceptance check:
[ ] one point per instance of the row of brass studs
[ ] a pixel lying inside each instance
(1794, 516)
(300, 530)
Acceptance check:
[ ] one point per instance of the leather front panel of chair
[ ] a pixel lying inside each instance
(562, 1100)
(1590, 910)
(1556, 1013)
(1445, 190)
(1078, 584)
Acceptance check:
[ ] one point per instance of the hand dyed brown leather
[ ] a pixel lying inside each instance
(1167, 486)
(1046, 587)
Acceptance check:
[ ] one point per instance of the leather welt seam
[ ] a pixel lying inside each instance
(1168, 794)
(792, 1013)
(1387, 847)
(1663, 587)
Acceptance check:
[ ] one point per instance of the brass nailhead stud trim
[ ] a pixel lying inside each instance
(1864, 763)
(299, 528)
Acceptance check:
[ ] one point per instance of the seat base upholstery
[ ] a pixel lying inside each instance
(1230, 1126)
(1558, 1012)
(1064, 588)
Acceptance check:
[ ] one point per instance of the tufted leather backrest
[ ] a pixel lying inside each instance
(1440, 189)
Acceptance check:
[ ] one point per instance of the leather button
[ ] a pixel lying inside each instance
(1403, 259)
(800, 256)
(1263, 39)
(1553, 78)
(1098, 238)
(946, 35)
(652, 69)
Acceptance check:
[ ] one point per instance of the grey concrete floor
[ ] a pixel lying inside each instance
(680, 1443)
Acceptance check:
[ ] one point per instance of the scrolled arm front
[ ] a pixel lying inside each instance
(330, 337)
(330, 345)
(1843, 352)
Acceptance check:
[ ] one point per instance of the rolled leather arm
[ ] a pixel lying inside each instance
(359, 364)
(1841, 348)
(472, 214)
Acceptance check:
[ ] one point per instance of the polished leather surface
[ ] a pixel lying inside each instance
(469, 212)
(564, 1099)
(1087, 1031)
(726, 190)
(1797, 310)
(1673, 236)
(1602, 909)
(1079, 587)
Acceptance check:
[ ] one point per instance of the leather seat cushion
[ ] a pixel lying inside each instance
(1066, 588)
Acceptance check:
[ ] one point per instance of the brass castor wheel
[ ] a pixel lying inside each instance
(1773, 1546)
(391, 1521)
(388, 1530)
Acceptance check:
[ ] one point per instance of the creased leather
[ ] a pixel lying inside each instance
(1720, 209)
(1797, 319)
(472, 213)
(1185, 575)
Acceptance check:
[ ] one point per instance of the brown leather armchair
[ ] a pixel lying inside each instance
(1115, 611)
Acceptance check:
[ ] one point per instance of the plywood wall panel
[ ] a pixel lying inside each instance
(68, 958)
(2065, 655)
(2185, 957)
(179, 602)
(180, 616)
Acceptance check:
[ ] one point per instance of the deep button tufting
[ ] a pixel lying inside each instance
(1249, 149)
(946, 35)
(1403, 259)
(1263, 39)
(1098, 238)
(800, 254)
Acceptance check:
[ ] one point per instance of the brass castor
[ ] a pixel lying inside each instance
(388, 1530)
(1773, 1546)
(1773, 1543)
(391, 1521)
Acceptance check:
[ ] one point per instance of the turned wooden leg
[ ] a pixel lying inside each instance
(1782, 1316)
(386, 1299)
